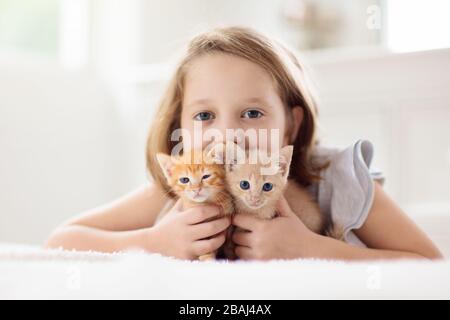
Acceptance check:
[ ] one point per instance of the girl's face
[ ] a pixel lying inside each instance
(228, 92)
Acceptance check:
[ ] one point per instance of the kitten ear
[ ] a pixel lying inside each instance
(216, 154)
(285, 160)
(238, 154)
(166, 163)
(235, 155)
(228, 153)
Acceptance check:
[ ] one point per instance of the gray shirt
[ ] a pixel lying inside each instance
(346, 191)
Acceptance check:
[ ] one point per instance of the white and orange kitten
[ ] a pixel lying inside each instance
(257, 194)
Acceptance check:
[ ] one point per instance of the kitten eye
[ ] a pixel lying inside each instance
(267, 186)
(252, 114)
(245, 185)
(206, 176)
(204, 116)
(184, 180)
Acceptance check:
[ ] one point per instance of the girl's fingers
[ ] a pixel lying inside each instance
(201, 213)
(202, 247)
(242, 238)
(243, 252)
(210, 228)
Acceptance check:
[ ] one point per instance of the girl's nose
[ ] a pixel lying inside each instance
(225, 124)
(230, 131)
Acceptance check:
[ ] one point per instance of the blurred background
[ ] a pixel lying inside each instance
(80, 80)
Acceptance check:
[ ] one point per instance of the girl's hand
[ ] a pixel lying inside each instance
(283, 237)
(181, 234)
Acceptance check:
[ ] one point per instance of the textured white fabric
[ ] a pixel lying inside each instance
(34, 273)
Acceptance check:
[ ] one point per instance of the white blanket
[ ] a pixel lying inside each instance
(31, 272)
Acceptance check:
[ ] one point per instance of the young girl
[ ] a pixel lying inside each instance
(236, 78)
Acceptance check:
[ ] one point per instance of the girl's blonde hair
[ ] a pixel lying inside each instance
(279, 62)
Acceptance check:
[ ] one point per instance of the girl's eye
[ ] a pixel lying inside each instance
(245, 185)
(184, 180)
(204, 116)
(206, 176)
(252, 114)
(267, 186)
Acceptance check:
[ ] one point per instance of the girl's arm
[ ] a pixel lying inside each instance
(388, 233)
(129, 223)
(117, 226)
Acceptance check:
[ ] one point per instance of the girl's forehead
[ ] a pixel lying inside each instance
(220, 75)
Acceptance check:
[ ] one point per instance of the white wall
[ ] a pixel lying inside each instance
(63, 148)
(150, 31)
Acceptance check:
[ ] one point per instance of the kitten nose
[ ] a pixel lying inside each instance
(196, 190)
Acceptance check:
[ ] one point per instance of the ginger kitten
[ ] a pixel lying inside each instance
(197, 178)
